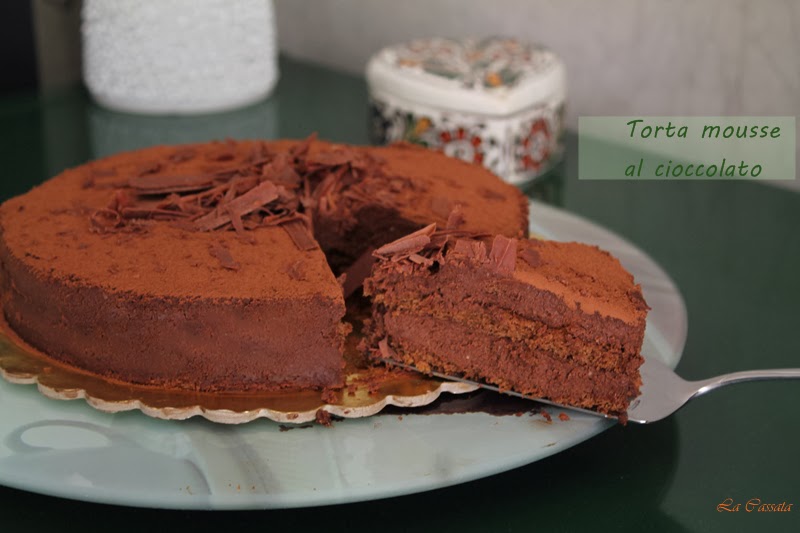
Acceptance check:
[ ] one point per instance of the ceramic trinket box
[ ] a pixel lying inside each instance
(495, 101)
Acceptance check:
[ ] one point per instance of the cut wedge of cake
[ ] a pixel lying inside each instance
(560, 321)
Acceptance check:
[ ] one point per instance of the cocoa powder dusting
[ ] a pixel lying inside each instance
(262, 189)
(531, 257)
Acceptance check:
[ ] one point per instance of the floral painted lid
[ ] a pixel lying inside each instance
(495, 76)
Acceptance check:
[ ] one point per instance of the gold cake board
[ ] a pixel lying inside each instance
(367, 391)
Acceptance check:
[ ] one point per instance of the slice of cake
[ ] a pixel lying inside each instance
(553, 320)
(213, 267)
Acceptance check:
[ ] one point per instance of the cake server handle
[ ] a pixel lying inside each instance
(707, 385)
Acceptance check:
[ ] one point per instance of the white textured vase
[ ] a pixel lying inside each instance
(179, 56)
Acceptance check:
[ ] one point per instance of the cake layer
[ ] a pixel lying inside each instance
(436, 344)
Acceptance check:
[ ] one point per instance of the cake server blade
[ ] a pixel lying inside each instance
(662, 393)
(493, 388)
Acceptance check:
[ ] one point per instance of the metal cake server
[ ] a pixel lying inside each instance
(662, 393)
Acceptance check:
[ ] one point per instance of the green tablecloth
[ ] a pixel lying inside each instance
(732, 247)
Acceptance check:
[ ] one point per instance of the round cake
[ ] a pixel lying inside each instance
(223, 266)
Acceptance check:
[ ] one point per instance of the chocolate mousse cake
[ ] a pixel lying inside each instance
(213, 267)
(561, 321)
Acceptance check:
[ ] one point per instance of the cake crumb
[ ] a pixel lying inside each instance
(323, 417)
(547, 416)
(563, 417)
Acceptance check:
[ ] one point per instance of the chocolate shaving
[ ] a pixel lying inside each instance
(299, 233)
(105, 220)
(155, 213)
(230, 194)
(259, 154)
(224, 155)
(330, 159)
(161, 184)
(420, 260)
(412, 243)
(456, 218)
(471, 249)
(357, 272)
(531, 257)
(276, 219)
(228, 172)
(300, 150)
(296, 271)
(491, 195)
(504, 254)
(182, 154)
(441, 206)
(386, 350)
(119, 200)
(280, 172)
(148, 168)
(236, 220)
(397, 184)
(257, 197)
(223, 255)
(103, 172)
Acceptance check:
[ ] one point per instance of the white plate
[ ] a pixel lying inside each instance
(70, 450)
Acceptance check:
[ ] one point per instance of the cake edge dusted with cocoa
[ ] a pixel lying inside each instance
(199, 267)
(559, 321)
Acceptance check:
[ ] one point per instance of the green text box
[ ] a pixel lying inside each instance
(670, 148)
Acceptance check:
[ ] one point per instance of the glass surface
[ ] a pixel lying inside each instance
(733, 250)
